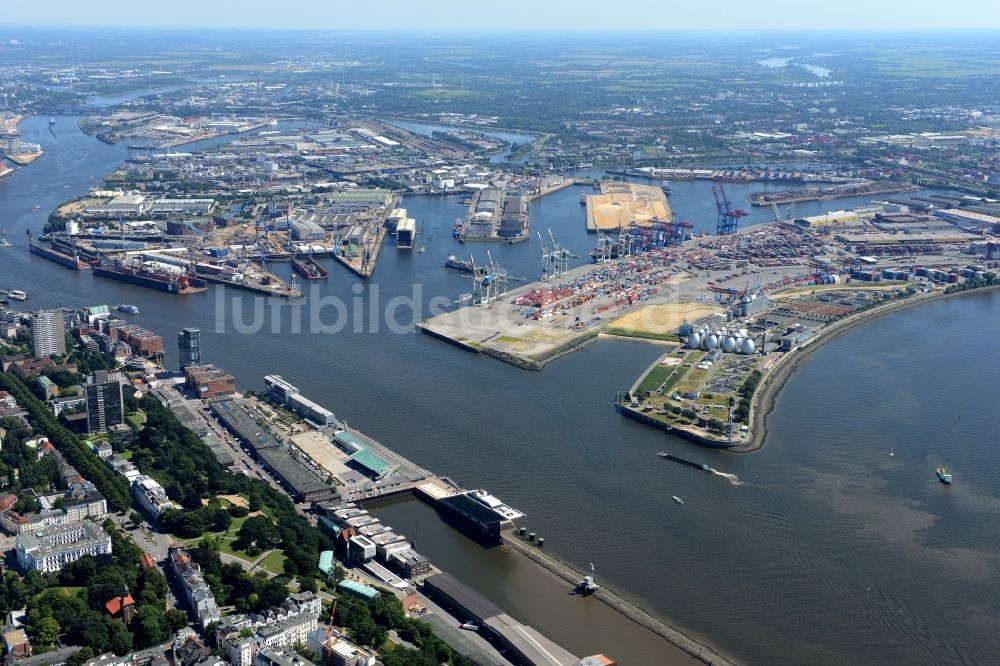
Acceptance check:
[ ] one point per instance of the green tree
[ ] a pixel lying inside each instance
(259, 531)
(80, 657)
(47, 631)
(150, 626)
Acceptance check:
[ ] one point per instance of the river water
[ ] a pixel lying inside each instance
(830, 550)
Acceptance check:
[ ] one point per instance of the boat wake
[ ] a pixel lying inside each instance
(732, 478)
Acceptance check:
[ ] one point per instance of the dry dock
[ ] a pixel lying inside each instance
(363, 263)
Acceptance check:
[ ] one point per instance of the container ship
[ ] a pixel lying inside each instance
(457, 264)
(150, 276)
(308, 268)
(69, 261)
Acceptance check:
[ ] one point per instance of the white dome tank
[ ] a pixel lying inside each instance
(712, 342)
(729, 345)
(694, 341)
(748, 346)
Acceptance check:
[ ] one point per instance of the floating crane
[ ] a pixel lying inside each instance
(729, 217)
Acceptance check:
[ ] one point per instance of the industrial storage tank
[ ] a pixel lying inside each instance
(694, 341)
(712, 342)
(748, 347)
(729, 345)
(744, 332)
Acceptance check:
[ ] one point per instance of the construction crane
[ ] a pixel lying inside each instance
(328, 644)
(729, 217)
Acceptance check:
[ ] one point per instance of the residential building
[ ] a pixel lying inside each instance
(48, 333)
(105, 402)
(208, 381)
(201, 601)
(151, 496)
(338, 651)
(51, 548)
(45, 388)
(281, 627)
(16, 644)
(280, 657)
(189, 348)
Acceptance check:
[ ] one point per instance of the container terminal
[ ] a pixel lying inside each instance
(646, 282)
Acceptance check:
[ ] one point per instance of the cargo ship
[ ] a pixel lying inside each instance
(308, 268)
(457, 264)
(66, 246)
(146, 275)
(69, 261)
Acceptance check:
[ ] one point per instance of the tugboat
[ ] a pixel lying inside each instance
(587, 585)
(127, 308)
(943, 476)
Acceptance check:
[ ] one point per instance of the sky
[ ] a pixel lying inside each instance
(508, 15)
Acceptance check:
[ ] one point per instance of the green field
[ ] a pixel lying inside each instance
(655, 378)
(644, 335)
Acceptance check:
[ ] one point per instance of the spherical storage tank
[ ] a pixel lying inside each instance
(748, 346)
(712, 342)
(694, 341)
(729, 345)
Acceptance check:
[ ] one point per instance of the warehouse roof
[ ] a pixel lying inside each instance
(465, 598)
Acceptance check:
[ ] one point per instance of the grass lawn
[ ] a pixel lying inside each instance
(274, 562)
(645, 335)
(63, 591)
(655, 378)
(136, 420)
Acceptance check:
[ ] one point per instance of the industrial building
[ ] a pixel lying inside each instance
(519, 643)
(361, 455)
(48, 333)
(287, 395)
(300, 480)
(52, 548)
